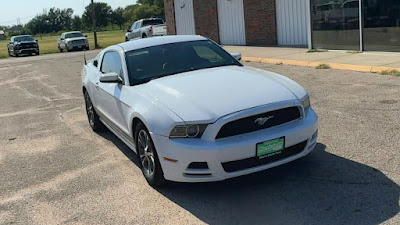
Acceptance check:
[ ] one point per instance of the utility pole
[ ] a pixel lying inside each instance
(94, 26)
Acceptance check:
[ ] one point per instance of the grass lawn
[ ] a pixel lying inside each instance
(48, 44)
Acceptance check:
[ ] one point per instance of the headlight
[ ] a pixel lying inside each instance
(306, 104)
(188, 131)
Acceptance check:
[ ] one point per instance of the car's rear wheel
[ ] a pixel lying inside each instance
(60, 49)
(150, 163)
(93, 118)
(144, 36)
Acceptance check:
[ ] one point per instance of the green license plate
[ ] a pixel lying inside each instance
(270, 148)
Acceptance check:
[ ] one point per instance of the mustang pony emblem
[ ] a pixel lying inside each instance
(262, 120)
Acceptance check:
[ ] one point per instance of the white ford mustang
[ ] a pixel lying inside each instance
(193, 113)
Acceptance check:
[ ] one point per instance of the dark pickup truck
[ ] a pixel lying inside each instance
(23, 44)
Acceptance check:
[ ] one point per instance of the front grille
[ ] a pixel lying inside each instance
(254, 161)
(78, 42)
(26, 45)
(254, 123)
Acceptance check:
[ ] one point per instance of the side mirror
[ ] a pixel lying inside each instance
(237, 56)
(129, 30)
(109, 77)
(95, 63)
(62, 39)
(36, 40)
(85, 35)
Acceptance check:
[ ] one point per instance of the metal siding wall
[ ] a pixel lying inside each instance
(291, 19)
(184, 17)
(231, 22)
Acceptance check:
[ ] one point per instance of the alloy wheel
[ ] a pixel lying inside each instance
(89, 110)
(146, 153)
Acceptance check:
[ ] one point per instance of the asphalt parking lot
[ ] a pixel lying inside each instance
(55, 170)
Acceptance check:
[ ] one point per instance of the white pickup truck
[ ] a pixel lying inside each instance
(146, 28)
(74, 40)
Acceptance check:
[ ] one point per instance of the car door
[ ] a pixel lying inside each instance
(130, 34)
(136, 31)
(11, 45)
(62, 41)
(108, 95)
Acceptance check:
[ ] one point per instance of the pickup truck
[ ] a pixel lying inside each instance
(146, 28)
(74, 40)
(23, 44)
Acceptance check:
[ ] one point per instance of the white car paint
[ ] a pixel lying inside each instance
(215, 96)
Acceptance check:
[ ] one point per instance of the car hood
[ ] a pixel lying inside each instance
(208, 94)
(75, 39)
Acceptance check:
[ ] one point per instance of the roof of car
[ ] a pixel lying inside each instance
(71, 32)
(162, 40)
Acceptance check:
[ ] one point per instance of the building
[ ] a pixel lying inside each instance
(2, 35)
(357, 25)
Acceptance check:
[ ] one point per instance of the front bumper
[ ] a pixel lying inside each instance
(26, 50)
(218, 152)
(78, 47)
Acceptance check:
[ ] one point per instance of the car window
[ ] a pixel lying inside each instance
(23, 38)
(206, 53)
(73, 35)
(112, 63)
(152, 22)
(163, 60)
(133, 26)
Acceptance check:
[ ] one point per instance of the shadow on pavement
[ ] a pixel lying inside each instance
(321, 188)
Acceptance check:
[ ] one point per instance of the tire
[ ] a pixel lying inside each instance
(144, 36)
(93, 118)
(148, 157)
(16, 54)
(87, 49)
(126, 39)
(66, 48)
(37, 53)
(8, 50)
(60, 49)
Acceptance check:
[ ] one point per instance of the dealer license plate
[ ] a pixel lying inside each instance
(270, 148)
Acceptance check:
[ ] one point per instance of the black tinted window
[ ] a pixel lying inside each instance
(163, 60)
(152, 22)
(111, 63)
(23, 38)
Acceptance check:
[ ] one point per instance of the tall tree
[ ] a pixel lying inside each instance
(103, 15)
(76, 23)
(117, 17)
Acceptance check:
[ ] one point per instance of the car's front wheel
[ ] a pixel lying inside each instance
(93, 118)
(60, 49)
(149, 160)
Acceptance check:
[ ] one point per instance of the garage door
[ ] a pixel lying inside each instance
(184, 17)
(231, 22)
(291, 19)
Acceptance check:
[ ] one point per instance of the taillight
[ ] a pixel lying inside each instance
(151, 29)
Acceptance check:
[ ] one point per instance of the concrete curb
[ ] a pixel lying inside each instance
(340, 66)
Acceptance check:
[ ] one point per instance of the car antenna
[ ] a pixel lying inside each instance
(84, 56)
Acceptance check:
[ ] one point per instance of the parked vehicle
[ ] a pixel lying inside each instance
(146, 28)
(22, 44)
(74, 40)
(193, 113)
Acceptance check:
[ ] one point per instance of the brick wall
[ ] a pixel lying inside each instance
(170, 16)
(206, 18)
(260, 22)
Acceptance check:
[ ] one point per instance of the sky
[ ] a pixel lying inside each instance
(10, 10)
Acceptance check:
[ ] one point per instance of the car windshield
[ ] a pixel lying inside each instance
(23, 38)
(163, 60)
(73, 35)
(152, 22)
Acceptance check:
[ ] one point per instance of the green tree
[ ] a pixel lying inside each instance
(117, 17)
(103, 15)
(76, 23)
